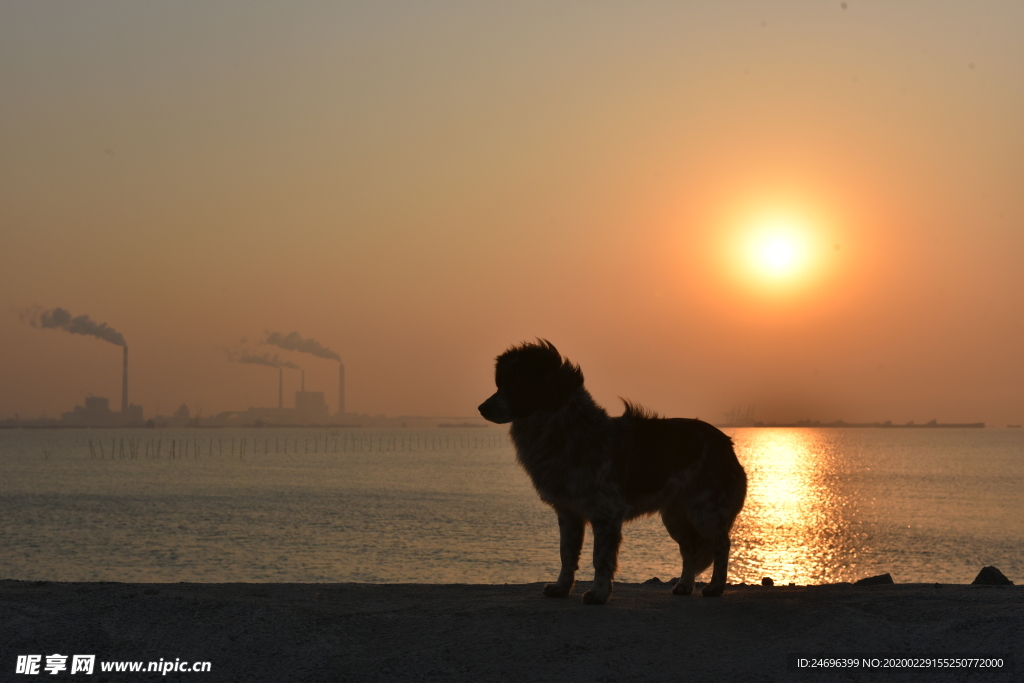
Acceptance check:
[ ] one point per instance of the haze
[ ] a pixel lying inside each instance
(418, 185)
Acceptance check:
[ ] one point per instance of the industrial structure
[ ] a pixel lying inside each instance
(96, 412)
(341, 389)
(124, 383)
(310, 407)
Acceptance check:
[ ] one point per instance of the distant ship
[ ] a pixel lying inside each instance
(746, 420)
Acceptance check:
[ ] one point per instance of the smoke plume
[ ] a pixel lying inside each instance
(265, 359)
(60, 319)
(294, 342)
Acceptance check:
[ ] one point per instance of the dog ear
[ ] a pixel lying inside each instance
(536, 377)
(560, 385)
(570, 378)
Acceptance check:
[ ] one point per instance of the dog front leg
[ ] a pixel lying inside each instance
(570, 533)
(607, 537)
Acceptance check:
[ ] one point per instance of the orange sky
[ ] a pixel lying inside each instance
(418, 185)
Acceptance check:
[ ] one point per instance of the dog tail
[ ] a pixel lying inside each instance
(637, 411)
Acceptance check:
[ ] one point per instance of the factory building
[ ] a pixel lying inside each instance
(96, 412)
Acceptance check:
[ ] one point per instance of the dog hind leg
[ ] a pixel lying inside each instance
(698, 558)
(607, 538)
(696, 553)
(710, 530)
(718, 574)
(570, 542)
(710, 515)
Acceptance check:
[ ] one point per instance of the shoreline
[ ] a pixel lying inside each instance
(509, 632)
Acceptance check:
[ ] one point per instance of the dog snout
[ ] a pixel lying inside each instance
(495, 409)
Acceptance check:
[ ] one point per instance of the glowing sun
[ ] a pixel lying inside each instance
(777, 250)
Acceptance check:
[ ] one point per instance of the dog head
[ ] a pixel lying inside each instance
(530, 377)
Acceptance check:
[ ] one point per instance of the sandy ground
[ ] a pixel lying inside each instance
(408, 632)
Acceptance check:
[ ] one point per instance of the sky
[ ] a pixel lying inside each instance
(809, 208)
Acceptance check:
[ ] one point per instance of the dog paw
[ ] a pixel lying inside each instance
(682, 589)
(557, 590)
(592, 598)
(713, 590)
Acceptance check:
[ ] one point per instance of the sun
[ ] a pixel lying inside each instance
(774, 252)
(777, 250)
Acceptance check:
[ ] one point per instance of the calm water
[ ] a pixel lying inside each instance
(449, 505)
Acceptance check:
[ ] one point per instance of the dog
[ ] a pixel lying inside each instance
(601, 470)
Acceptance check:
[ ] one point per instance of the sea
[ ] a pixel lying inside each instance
(451, 505)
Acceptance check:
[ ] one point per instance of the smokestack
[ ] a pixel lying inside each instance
(341, 390)
(303, 380)
(280, 387)
(124, 383)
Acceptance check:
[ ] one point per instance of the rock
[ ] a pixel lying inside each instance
(767, 582)
(652, 580)
(673, 581)
(875, 580)
(990, 576)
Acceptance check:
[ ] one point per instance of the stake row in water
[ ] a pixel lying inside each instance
(155, 448)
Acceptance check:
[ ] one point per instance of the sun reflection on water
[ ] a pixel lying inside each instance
(796, 524)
